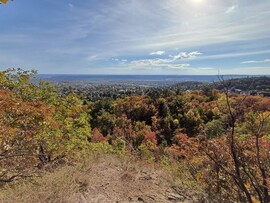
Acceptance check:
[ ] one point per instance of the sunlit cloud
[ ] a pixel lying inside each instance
(185, 55)
(157, 53)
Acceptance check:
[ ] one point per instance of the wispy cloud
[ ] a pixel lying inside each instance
(94, 57)
(115, 59)
(262, 61)
(99, 34)
(156, 64)
(71, 5)
(205, 68)
(234, 55)
(157, 53)
(142, 35)
(231, 9)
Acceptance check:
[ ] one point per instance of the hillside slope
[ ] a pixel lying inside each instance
(108, 179)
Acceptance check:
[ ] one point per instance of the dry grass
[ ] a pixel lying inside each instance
(101, 176)
(52, 187)
(57, 186)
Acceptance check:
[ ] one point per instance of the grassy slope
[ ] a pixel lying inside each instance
(105, 178)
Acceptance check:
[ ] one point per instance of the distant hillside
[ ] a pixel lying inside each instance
(189, 85)
(257, 84)
(246, 84)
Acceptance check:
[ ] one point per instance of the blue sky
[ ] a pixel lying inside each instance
(136, 36)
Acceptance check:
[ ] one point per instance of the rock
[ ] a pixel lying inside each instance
(174, 196)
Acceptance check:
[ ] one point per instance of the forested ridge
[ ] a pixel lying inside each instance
(221, 139)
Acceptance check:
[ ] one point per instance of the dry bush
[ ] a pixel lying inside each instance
(63, 184)
(53, 187)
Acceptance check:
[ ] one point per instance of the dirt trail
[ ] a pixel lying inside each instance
(113, 180)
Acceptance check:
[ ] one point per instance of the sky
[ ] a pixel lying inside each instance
(156, 37)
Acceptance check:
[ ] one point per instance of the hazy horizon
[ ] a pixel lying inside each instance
(106, 74)
(136, 37)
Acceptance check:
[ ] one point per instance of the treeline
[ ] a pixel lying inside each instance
(222, 138)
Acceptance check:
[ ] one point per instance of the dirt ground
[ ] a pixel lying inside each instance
(113, 180)
(103, 179)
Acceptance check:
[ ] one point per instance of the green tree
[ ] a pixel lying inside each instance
(214, 128)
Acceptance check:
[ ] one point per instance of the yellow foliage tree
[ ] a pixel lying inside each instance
(4, 1)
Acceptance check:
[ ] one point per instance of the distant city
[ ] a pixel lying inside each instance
(136, 80)
(95, 87)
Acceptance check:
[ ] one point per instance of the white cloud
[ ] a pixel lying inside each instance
(120, 61)
(262, 61)
(160, 63)
(157, 63)
(231, 9)
(177, 66)
(185, 55)
(157, 53)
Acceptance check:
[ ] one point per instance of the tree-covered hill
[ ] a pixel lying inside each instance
(258, 84)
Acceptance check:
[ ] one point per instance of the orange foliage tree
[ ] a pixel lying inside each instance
(21, 126)
(37, 126)
(237, 165)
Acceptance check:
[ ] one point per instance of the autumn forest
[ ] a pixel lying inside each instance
(220, 139)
